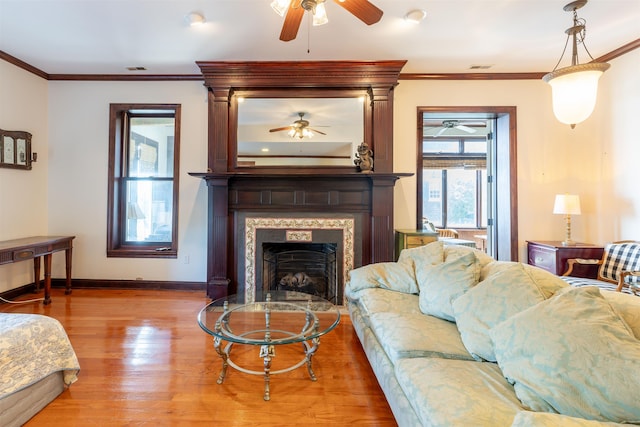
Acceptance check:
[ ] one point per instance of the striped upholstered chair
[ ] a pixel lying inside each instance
(619, 268)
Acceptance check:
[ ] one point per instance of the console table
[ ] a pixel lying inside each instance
(35, 247)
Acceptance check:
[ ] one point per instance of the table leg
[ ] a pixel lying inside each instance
(67, 254)
(267, 352)
(47, 279)
(217, 344)
(36, 273)
(309, 352)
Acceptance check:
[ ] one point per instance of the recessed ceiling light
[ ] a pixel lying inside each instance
(194, 18)
(415, 16)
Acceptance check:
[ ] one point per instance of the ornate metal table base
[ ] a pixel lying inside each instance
(268, 351)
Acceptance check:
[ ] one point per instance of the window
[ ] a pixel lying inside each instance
(144, 143)
(454, 176)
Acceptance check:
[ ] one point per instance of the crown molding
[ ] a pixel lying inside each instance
(403, 76)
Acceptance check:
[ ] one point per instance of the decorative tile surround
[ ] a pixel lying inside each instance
(297, 229)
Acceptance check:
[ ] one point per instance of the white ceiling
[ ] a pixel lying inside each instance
(106, 36)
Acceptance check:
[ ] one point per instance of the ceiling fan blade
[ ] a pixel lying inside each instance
(362, 9)
(292, 21)
(440, 132)
(466, 128)
(280, 129)
(316, 131)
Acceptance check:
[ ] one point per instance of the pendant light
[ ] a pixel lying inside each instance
(575, 88)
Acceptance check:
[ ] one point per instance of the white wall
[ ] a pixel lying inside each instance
(78, 169)
(23, 193)
(596, 160)
(66, 192)
(614, 158)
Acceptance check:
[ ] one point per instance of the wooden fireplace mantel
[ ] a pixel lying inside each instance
(367, 196)
(234, 191)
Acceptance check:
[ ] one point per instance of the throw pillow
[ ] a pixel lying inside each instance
(628, 307)
(495, 299)
(574, 355)
(426, 255)
(441, 284)
(388, 275)
(455, 251)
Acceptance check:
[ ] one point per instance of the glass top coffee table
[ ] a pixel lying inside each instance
(274, 318)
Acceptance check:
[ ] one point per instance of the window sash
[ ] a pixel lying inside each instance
(143, 181)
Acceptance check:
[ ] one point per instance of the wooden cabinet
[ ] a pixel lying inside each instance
(552, 256)
(406, 239)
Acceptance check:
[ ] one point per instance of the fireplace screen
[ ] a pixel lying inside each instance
(303, 267)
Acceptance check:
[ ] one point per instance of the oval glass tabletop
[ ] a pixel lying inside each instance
(276, 317)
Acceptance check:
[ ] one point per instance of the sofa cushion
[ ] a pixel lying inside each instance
(398, 276)
(513, 288)
(445, 392)
(545, 419)
(445, 282)
(416, 335)
(376, 300)
(574, 355)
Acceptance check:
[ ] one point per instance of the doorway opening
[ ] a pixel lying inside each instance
(466, 175)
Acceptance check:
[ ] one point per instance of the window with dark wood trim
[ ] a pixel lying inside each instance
(454, 171)
(144, 147)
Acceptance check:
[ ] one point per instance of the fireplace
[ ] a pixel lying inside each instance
(302, 267)
(327, 205)
(265, 238)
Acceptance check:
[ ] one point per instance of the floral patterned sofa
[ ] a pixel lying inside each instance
(456, 338)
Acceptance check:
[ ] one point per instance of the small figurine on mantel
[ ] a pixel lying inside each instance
(364, 158)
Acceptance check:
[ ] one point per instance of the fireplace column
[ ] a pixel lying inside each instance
(218, 237)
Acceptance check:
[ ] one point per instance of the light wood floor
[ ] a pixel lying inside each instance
(146, 362)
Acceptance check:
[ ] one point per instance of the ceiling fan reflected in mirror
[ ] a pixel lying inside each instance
(293, 10)
(463, 125)
(298, 129)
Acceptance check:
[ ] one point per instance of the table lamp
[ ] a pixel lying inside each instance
(567, 205)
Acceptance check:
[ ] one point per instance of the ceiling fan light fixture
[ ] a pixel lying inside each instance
(415, 16)
(574, 89)
(280, 6)
(320, 14)
(300, 133)
(194, 18)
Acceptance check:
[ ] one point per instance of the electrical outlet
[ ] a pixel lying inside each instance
(185, 259)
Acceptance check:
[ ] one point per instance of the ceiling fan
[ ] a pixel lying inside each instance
(465, 126)
(294, 9)
(298, 129)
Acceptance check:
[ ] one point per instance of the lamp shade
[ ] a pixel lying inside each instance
(567, 204)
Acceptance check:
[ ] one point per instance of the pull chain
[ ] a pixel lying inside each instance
(309, 34)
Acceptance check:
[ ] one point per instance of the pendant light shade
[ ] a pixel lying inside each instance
(574, 88)
(574, 91)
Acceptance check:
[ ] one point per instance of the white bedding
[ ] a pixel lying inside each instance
(32, 347)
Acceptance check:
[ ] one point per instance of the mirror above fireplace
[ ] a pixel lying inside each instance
(300, 82)
(299, 132)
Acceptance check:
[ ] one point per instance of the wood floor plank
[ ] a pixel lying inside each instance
(146, 362)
